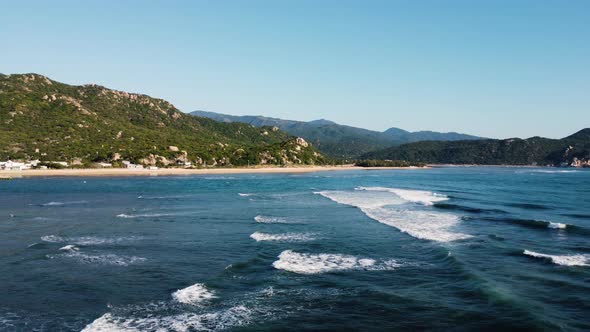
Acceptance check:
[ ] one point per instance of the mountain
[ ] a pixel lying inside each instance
(572, 150)
(44, 119)
(337, 140)
(404, 136)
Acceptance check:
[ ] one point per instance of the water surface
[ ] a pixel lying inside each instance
(450, 248)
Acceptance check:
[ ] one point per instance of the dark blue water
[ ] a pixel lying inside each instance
(457, 249)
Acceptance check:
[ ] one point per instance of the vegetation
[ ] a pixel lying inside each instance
(51, 121)
(532, 151)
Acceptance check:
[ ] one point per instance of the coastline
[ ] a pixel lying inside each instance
(91, 172)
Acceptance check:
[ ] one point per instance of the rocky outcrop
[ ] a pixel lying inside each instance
(580, 163)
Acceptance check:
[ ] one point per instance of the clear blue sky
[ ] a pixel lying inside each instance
(491, 68)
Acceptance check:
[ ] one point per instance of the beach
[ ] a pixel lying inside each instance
(182, 171)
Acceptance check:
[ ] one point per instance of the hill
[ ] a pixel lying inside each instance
(532, 151)
(337, 140)
(44, 119)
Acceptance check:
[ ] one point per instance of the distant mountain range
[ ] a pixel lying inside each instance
(44, 119)
(573, 150)
(339, 141)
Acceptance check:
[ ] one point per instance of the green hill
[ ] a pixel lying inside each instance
(44, 119)
(531, 151)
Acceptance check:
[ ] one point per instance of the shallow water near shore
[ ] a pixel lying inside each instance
(458, 248)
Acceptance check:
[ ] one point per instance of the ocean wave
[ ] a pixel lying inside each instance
(556, 225)
(233, 317)
(421, 224)
(566, 260)
(61, 203)
(245, 194)
(70, 247)
(539, 224)
(530, 206)
(414, 196)
(52, 238)
(547, 171)
(88, 240)
(302, 263)
(219, 178)
(73, 252)
(285, 237)
(469, 209)
(271, 220)
(195, 294)
(145, 215)
(163, 197)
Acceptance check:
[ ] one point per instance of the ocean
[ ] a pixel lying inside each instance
(454, 248)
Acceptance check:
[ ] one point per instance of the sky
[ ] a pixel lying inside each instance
(490, 68)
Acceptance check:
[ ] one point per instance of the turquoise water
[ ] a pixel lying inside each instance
(457, 249)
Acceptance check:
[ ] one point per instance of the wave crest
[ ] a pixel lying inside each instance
(414, 196)
(421, 224)
(271, 220)
(195, 294)
(566, 260)
(321, 263)
(285, 237)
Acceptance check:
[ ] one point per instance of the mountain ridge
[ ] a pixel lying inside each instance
(337, 140)
(572, 150)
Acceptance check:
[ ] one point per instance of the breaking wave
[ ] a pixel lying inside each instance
(285, 237)
(271, 220)
(391, 210)
(223, 319)
(539, 224)
(73, 252)
(62, 203)
(145, 215)
(414, 196)
(556, 225)
(195, 294)
(88, 240)
(566, 260)
(547, 171)
(321, 263)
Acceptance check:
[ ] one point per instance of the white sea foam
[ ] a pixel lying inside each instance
(245, 194)
(144, 215)
(567, 260)
(52, 238)
(73, 252)
(427, 225)
(89, 240)
(321, 263)
(415, 196)
(108, 323)
(224, 319)
(63, 203)
(557, 225)
(271, 220)
(285, 237)
(195, 294)
(69, 247)
(556, 171)
(163, 197)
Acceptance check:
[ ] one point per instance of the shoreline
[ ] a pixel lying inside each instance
(184, 171)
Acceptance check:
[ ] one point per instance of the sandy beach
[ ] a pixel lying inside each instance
(182, 171)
